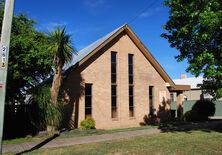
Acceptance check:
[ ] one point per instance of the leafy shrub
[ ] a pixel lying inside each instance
(188, 116)
(88, 123)
(161, 116)
(192, 116)
(150, 120)
(164, 115)
(44, 113)
(200, 111)
(163, 112)
(204, 107)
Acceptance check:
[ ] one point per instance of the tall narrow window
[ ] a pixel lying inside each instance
(113, 67)
(131, 101)
(88, 100)
(130, 68)
(131, 87)
(114, 101)
(151, 99)
(171, 97)
(113, 86)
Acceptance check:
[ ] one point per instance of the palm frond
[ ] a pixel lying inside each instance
(61, 46)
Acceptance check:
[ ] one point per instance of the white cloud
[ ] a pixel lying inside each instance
(94, 3)
(145, 14)
(87, 30)
(52, 25)
(150, 12)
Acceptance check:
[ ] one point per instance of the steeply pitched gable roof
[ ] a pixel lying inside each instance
(90, 50)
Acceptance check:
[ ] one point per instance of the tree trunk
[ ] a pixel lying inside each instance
(56, 85)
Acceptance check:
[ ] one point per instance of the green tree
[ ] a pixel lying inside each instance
(29, 61)
(43, 114)
(195, 29)
(61, 48)
(2, 3)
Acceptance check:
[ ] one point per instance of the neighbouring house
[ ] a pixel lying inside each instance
(116, 81)
(192, 94)
(195, 93)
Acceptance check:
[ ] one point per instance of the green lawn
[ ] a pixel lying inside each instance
(73, 133)
(80, 133)
(27, 139)
(178, 143)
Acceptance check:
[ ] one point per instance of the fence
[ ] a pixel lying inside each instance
(187, 105)
(17, 121)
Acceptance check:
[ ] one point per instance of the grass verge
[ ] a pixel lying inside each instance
(180, 143)
(73, 133)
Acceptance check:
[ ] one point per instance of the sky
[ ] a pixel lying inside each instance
(89, 20)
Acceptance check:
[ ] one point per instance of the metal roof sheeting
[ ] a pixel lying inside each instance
(193, 81)
(87, 50)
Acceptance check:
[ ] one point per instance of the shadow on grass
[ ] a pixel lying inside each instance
(40, 144)
(202, 109)
(176, 126)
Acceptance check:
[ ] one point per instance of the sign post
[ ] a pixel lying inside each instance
(4, 54)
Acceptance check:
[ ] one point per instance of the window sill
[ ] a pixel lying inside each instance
(115, 119)
(132, 117)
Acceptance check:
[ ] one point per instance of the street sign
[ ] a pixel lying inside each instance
(4, 51)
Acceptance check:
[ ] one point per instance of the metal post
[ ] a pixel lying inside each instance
(4, 54)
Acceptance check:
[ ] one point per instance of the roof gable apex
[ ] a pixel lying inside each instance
(149, 56)
(93, 48)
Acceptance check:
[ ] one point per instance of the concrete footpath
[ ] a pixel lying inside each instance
(55, 142)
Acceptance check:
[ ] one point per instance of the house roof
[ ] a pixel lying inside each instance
(91, 49)
(193, 81)
(88, 49)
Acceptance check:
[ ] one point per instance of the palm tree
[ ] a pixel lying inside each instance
(61, 48)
